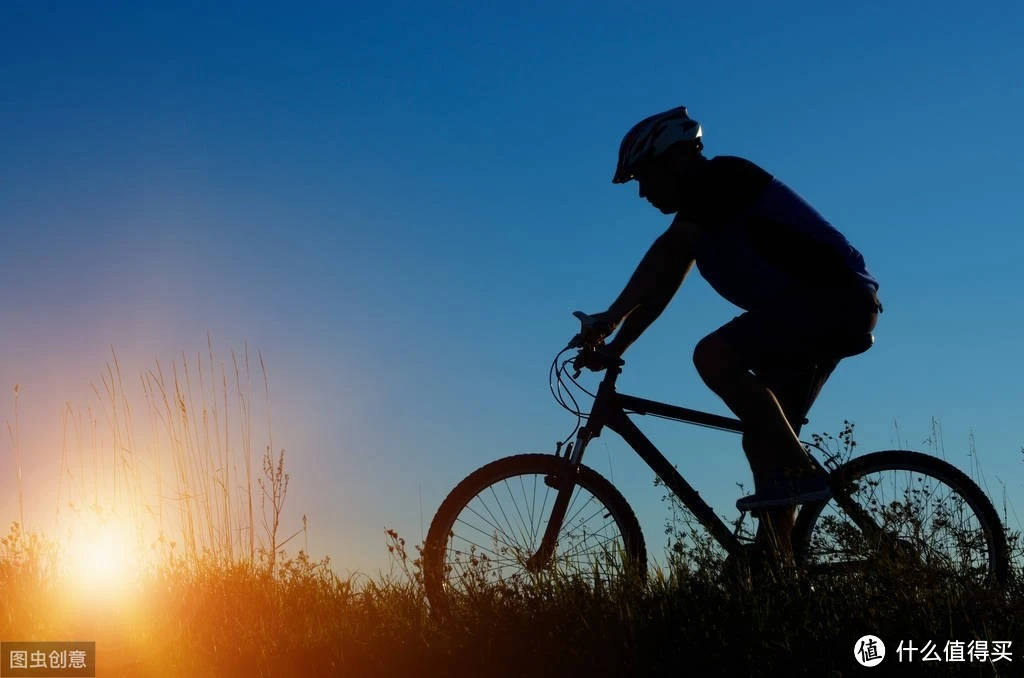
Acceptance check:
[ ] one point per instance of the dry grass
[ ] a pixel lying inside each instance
(179, 462)
(221, 619)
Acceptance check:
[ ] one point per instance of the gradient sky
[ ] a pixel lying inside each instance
(401, 204)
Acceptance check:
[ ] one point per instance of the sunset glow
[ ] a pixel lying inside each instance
(101, 560)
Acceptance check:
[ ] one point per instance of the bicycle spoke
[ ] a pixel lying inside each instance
(604, 542)
(489, 535)
(530, 532)
(533, 521)
(503, 513)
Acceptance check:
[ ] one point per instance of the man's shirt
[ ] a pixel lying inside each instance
(760, 241)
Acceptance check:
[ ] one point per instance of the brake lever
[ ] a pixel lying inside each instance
(609, 361)
(577, 361)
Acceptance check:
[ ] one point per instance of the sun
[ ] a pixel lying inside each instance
(100, 560)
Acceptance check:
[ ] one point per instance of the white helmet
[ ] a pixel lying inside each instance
(651, 137)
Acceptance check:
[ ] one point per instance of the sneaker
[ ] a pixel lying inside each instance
(783, 490)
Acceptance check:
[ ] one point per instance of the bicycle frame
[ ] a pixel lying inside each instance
(611, 410)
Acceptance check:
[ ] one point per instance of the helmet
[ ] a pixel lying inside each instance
(653, 136)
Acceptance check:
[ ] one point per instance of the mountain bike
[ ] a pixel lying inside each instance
(529, 518)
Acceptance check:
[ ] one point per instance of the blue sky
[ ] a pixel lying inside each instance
(400, 205)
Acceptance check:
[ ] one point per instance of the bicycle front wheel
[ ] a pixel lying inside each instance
(905, 510)
(486, 535)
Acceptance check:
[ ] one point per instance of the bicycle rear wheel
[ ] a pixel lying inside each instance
(903, 510)
(484, 537)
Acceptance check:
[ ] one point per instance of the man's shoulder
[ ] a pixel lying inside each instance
(736, 171)
(729, 185)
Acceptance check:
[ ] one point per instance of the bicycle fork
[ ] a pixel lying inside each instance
(564, 483)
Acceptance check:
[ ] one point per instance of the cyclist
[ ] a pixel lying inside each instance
(807, 299)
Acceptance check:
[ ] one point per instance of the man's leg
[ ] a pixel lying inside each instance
(770, 442)
(739, 362)
(795, 391)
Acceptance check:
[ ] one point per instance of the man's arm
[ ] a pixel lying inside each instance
(653, 284)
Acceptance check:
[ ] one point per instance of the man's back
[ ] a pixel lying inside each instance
(760, 241)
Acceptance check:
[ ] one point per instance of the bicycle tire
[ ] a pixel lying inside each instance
(918, 524)
(451, 570)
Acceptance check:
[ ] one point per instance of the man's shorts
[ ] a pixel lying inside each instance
(793, 344)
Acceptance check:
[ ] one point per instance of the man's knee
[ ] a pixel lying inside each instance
(714, 359)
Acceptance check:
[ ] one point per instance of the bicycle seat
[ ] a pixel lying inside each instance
(853, 344)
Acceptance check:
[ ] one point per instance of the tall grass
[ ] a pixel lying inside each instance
(180, 460)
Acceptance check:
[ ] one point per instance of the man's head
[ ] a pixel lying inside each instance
(661, 152)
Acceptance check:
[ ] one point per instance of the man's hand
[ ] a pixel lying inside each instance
(595, 327)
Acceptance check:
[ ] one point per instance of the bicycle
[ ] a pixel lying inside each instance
(936, 516)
